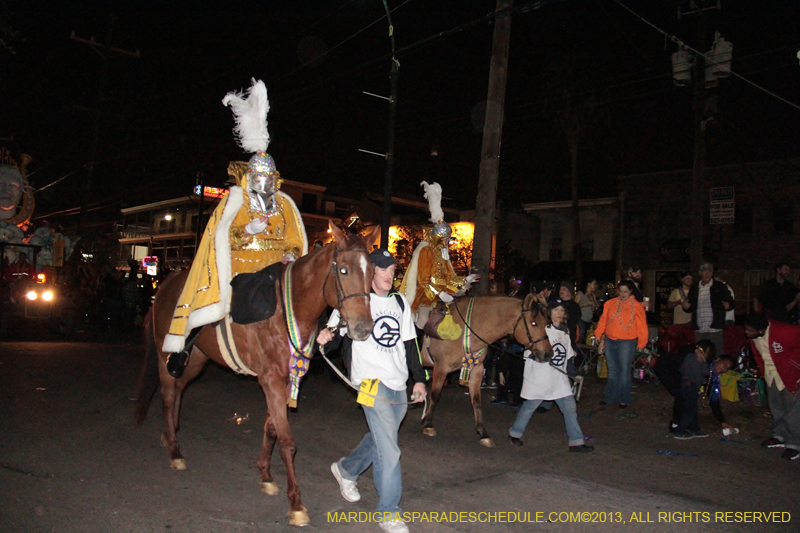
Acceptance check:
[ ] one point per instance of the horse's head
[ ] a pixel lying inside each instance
(349, 281)
(530, 330)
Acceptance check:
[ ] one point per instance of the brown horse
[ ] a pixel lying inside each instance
(338, 275)
(493, 317)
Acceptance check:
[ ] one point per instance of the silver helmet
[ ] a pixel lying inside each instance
(261, 169)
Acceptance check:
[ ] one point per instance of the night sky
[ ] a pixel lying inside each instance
(163, 120)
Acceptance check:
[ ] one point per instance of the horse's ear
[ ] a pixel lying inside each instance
(530, 301)
(338, 235)
(372, 237)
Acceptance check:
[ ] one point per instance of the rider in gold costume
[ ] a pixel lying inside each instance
(430, 276)
(254, 226)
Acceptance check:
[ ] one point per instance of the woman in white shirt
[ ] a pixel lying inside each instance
(549, 381)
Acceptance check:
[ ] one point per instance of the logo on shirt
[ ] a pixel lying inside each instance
(777, 347)
(559, 354)
(386, 331)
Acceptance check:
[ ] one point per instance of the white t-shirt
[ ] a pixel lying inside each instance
(543, 382)
(382, 355)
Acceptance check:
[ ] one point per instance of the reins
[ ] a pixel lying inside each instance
(531, 342)
(374, 396)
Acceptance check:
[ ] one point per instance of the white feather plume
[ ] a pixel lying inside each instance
(251, 117)
(433, 193)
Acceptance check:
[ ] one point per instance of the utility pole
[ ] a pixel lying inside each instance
(387, 188)
(490, 150)
(703, 74)
(389, 155)
(699, 161)
(105, 51)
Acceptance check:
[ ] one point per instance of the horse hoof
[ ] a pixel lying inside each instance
(178, 464)
(299, 518)
(269, 487)
(431, 432)
(487, 442)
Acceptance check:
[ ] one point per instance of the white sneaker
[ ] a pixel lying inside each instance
(394, 526)
(349, 489)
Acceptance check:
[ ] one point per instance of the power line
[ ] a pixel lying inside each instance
(708, 59)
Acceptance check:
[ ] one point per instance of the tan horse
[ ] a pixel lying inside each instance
(493, 317)
(338, 275)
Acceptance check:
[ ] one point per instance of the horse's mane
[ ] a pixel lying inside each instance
(352, 241)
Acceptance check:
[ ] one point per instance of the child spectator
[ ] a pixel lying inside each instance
(668, 370)
(549, 381)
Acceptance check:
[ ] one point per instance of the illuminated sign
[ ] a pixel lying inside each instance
(152, 270)
(150, 261)
(211, 192)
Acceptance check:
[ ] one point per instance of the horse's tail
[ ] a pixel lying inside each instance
(148, 380)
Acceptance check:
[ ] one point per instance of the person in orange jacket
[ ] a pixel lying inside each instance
(622, 330)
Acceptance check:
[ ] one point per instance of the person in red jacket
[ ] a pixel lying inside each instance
(776, 346)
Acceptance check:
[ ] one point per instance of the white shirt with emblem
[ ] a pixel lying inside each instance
(543, 382)
(383, 355)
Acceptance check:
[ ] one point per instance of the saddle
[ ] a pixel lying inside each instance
(440, 323)
(253, 297)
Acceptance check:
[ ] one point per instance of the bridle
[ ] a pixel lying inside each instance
(341, 296)
(522, 319)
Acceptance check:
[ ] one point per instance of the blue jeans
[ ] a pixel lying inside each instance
(379, 448)
(568, 408)
(583, 329)
(689, 420)
(619, 358)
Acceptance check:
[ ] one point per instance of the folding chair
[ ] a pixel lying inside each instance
(645, 359)
(589, 354)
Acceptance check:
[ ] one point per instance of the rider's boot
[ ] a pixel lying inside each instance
(177, 361)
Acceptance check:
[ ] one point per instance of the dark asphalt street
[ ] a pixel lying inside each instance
(72, 460)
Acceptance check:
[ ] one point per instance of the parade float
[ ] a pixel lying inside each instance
(31, 258)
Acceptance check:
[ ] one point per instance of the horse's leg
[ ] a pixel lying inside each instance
(439, 375)
(171, 394)
(475, 380)
(275, 389)
(268, 485)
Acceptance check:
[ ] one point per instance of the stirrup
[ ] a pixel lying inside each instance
(176, 362)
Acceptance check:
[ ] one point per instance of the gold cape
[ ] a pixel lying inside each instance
(227, 250)
(429, 274)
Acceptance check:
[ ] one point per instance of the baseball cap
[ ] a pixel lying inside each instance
(569, 286)
(381, 258)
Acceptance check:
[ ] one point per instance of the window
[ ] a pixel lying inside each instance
(667, 221)
(556, 245)
(309, 203)
(587, 248)
(743, 219)
(782, 219)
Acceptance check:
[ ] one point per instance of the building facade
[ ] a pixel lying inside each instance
(750, 222)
